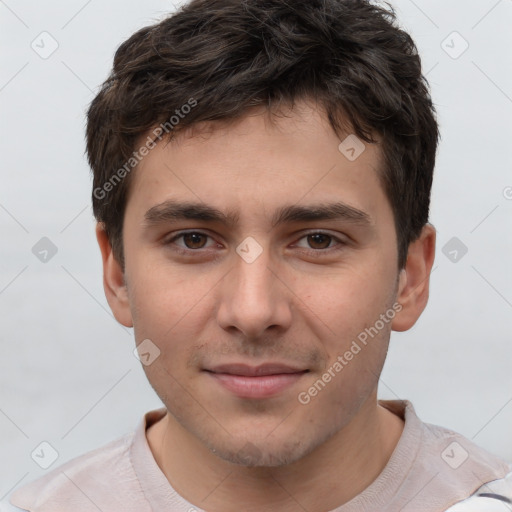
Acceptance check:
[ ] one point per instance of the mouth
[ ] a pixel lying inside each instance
(256, 382)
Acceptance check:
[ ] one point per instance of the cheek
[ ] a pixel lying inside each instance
(167, 306)
(164, 296)
(355, 339)
(345, 302)
(350, 376)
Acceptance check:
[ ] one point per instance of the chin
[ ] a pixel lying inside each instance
(253, 456)
(270, 452)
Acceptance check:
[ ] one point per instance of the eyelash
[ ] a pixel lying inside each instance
(312, 252)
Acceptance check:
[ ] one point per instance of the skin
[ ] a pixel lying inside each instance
(289, 305)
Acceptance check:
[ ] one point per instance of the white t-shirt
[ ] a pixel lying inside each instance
(430, 470)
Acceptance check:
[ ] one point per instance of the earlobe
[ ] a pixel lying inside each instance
(414, 279)
(113, 280)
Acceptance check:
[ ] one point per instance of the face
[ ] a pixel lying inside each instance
(257, 295)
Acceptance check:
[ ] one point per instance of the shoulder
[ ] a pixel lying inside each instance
(102, 478)
(492, 496)
(441, 467)
(463, 467)
(444, 449)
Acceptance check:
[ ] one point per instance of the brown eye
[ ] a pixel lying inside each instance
(319, 241)
(193, 240)
(319, 244)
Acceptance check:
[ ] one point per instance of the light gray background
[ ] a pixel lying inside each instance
(68, 375)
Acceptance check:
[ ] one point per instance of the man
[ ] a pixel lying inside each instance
(262, 174)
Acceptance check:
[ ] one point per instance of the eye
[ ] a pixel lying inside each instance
(319, 242)
(192, 240)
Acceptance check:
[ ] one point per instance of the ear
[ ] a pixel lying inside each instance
(113, 280)
(414, 279)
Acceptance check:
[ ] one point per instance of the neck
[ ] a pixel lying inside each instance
(330, 476)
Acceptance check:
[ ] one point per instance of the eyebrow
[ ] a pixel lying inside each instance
(171, 211)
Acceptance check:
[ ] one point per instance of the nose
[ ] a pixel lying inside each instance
(253, 298)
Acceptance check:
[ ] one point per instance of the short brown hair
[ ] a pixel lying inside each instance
(226, 56)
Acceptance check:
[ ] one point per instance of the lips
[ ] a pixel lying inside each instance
(256, 382)
(256, 371)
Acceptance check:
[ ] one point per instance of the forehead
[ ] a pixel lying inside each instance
(261, 161)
